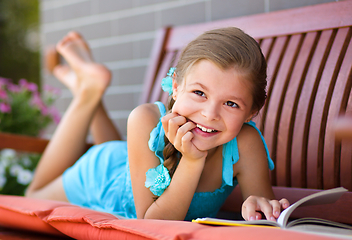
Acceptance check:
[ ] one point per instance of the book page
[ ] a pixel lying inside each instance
(324, 197)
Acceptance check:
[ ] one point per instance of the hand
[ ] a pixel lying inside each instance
(178, 131)
(253, 205)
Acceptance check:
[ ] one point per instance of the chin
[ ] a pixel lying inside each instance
(201, 146)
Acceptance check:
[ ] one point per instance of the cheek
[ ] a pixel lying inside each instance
(181, 106)
(234, 126)
(177, 107)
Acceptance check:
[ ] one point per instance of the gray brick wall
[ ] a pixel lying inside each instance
(121, 33)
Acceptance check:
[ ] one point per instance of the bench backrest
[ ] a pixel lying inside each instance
(309, 55)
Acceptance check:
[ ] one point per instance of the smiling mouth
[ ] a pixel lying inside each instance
(204, 129)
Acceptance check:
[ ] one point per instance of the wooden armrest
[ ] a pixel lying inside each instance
(26, 143)
(22, 143)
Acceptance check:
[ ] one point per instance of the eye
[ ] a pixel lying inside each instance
(199, 93)
(231, 104)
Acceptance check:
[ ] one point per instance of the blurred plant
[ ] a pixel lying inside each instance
(23, 110)
(20, 39)
(16, 171)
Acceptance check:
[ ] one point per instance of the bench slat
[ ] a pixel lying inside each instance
(276, 54)
(266, 46)
(304, 108)
(346, 152)
(273, 114)
(338, 104)
(290, 105)
(320, 111)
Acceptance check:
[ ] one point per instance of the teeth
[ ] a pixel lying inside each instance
(204, 129)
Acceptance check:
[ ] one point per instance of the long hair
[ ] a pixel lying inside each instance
(226, 48)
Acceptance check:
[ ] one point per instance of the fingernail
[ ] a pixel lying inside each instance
(251, 219)
(273, 219)
(277, 213)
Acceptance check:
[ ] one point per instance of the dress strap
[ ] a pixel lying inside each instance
(158, 178)
(231, 156)
(156, 141)
(161, 107)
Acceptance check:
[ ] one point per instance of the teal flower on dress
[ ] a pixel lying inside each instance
(158, 179)
(166, 83)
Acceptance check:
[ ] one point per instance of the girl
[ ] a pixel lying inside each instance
(182, 163)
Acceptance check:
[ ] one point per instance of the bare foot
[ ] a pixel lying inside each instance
(82, 74)
(52, 58)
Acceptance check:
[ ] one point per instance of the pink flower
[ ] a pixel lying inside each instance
(3, 94)
(28, 85)
(5, 108)
(37, 101)
(55, 114)
(13, 88)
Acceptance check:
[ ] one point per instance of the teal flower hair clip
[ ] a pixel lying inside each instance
(157, 179)
(166, 83)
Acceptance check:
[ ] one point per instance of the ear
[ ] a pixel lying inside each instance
(174, 88)
(253, 114)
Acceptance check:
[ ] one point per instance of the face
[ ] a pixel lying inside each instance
(217, 101)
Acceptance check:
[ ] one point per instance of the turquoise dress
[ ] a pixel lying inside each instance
(101, 179)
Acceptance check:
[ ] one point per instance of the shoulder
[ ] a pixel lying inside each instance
(141, 121)
(249, 138)
(250, 146)
(147, 113)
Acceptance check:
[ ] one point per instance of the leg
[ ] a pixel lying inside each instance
(102, 127)
(67, 145)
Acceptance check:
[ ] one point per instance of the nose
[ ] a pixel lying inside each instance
(211, 111)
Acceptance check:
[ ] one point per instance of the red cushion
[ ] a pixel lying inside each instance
(58, 218)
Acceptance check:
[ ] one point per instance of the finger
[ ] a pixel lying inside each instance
(276, 206)
(186, 142)
(267, 208)
(172, 126)
(284, 203)
(249, 209)
(180, 139)
(165, 120)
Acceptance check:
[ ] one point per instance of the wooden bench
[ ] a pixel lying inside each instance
(309, 55)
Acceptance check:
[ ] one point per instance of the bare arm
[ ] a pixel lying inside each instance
(175, 201)
(253, 177)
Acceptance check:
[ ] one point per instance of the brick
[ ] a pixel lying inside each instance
(136, 24)
(125, 102)
(117, 52)
(62, 104)
(121, 125)
(189, 14)
(52, 81)
(145, 48)
(275, 5)
(49, 16)
(222, 9)
(51, 38)
(151, 2)
(97, 30)
(113, 5)
(76, 10)
(130, 76)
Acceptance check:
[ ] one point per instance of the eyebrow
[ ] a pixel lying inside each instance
(231, 97)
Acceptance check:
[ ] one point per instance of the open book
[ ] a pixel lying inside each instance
(305, 224)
